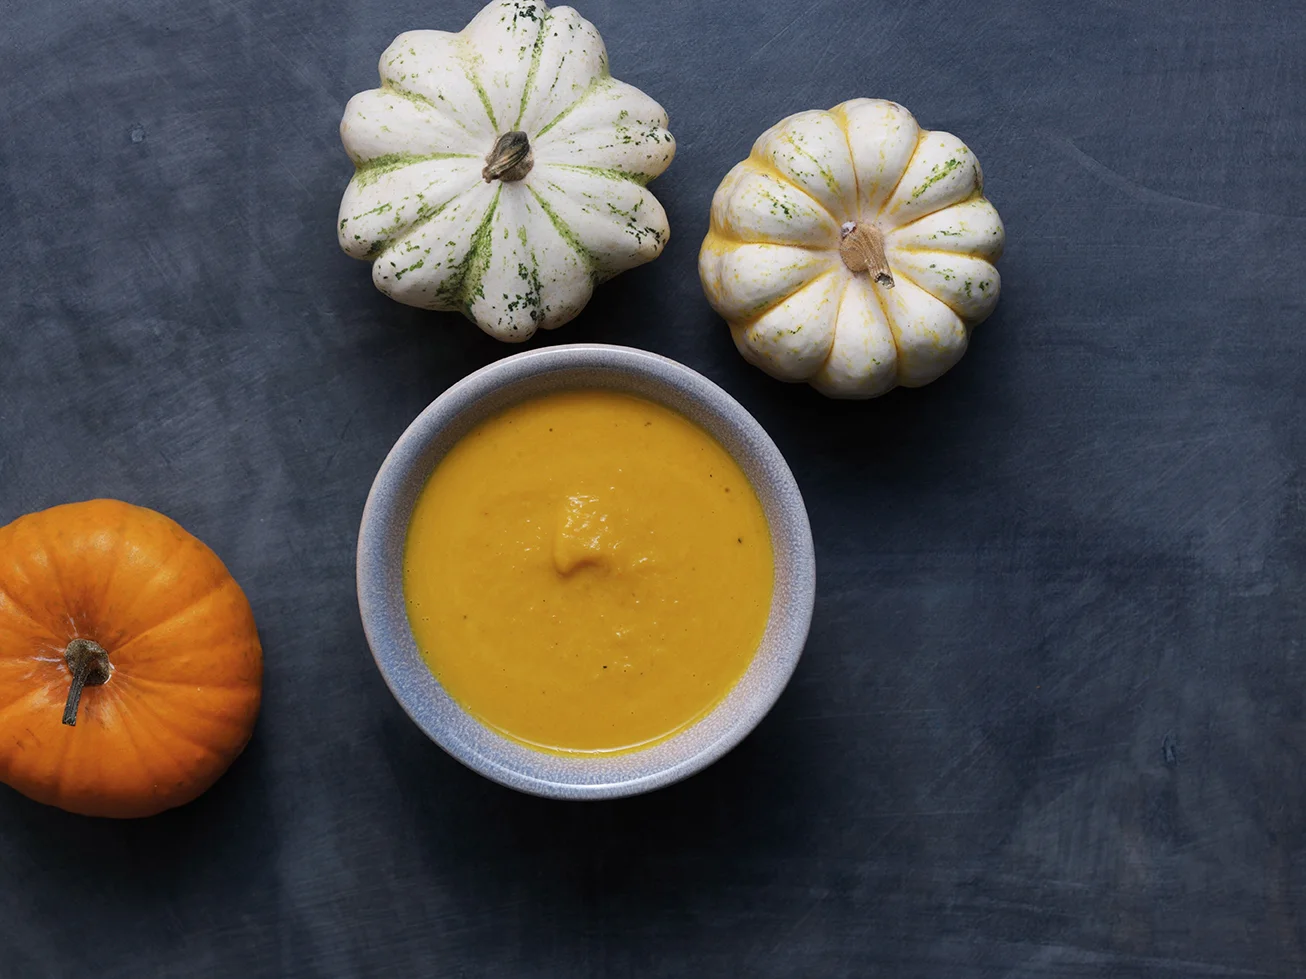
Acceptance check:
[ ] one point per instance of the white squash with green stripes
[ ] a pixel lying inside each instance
(501, 171)
(853, 250)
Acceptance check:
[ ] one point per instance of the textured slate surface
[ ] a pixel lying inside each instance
(1049, 723)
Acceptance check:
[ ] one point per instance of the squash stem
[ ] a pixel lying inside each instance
(511, 158)
(861, 246)
(90, 666)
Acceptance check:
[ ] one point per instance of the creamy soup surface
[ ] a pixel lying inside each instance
(588, 572)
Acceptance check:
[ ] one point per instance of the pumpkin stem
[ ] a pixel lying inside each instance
(90, 665)
(861, 246)
(511, 158)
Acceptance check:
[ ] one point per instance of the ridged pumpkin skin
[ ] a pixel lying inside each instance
(521, 250)
(785, 261)
(187, 667)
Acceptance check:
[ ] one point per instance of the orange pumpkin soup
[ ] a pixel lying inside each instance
(588, 572)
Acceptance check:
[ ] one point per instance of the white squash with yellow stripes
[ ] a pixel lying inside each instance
(501, 170)
(853, 250)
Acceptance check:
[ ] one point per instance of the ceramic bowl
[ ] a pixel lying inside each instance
(380, 577)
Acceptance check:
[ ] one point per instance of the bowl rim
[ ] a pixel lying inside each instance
(461, 397)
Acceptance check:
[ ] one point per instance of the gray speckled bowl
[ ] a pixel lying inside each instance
(380, 576)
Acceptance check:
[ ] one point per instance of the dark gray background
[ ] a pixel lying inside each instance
(1049, 722)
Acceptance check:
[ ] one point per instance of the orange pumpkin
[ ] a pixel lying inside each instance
(130, 666)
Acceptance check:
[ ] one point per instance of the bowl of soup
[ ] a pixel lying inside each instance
(585, 571)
